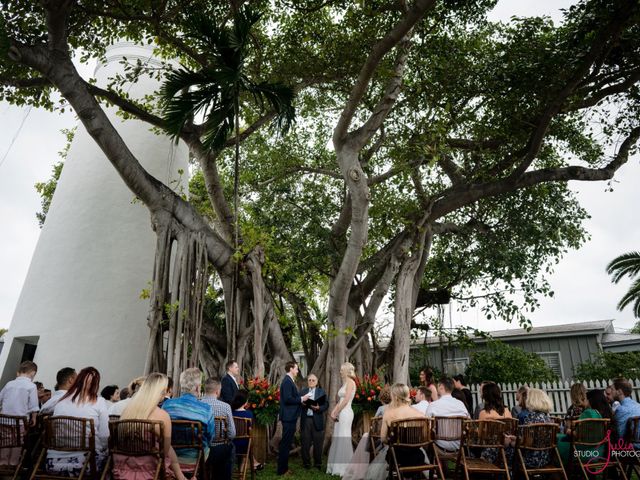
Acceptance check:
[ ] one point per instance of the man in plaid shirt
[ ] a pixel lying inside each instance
(222, 454)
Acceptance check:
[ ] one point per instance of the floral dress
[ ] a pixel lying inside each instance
(536, 458)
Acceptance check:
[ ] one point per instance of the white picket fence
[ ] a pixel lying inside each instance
(560, 392)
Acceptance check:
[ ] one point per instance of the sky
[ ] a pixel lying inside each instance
(30, 140)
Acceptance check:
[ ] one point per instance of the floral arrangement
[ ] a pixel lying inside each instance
(367, 396)
(263, 401)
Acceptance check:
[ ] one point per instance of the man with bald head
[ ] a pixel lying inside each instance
(312, 422)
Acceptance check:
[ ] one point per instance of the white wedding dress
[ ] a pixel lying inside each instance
(341, 449)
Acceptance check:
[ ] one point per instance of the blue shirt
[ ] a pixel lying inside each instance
(628, 408)
(188, 407)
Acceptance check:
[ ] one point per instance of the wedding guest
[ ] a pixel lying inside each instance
(238, 408)
(385, 399)
(117, 408)
(628, 408)
(230, 382)
(145, 406)
(82, 401)
(188, 407)
(538, 407)
(221, 455)
(124, 393)
(426, 380)
(312, 423)
(609, 394)
(111, 393)
(64, 379)
(423, 395)
(460, 383)
(521, 400)
(20, 396)
(40, 388)
(578, 401)
(447, 406)
(290, 407)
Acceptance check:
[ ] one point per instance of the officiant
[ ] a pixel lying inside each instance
(312, 422)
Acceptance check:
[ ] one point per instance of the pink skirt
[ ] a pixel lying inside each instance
(137, 468)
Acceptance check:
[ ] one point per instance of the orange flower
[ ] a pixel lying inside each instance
(270, 397)
(379, 388)
(357, 396)
(369, 399)
(254, 405)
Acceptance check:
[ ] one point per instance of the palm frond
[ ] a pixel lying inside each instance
(632, 295)
(625, 264)
(280, 97)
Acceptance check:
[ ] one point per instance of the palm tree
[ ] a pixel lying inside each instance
(218, 90)
(627, 264)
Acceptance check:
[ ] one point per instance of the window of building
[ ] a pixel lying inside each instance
(553, 360)
(454, 366)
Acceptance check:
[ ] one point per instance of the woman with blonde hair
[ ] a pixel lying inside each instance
(341, 449)
(578, 401)
(144, 406)
(539, 405)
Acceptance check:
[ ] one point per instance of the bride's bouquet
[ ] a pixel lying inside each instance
(367, 396)
(264, 400)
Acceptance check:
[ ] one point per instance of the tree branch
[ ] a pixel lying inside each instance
(24, 82)
(380, 49)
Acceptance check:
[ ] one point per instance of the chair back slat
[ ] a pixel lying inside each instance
(186, 434)
(633, 430)
(512, 425)
(485, 433)
(449, 428)
(243, 427)
(137, 438)
(375, 428)
(590, 431)
(222, 431)
(70, 434)
(412, 432)
(12, 431)
(538, 436)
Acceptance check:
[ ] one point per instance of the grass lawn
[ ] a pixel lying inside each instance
(295, 465)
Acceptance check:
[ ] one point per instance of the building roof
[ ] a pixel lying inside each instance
(604, 327)
(610, 339)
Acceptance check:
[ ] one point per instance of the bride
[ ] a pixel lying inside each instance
(341, 449)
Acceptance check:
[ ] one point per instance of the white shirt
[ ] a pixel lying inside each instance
(118, 407)
(447, 406)
(421, 406)
(312, 396)
(19, 397)
(97, 411)
(52, 402)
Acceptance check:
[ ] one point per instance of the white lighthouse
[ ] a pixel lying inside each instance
(80, 304)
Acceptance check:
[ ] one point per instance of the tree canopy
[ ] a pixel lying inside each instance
(431, 150)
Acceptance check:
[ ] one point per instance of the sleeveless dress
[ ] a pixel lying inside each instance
(341, 449)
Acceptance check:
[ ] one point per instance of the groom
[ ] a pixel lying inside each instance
(290, 407)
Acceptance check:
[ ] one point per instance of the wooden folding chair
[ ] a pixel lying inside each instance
(539, 437)
(186, 435)
(222, 431)
(245, 460)
(589, 449)
(375, 443)
(409, 434)
(114, 418)
(13, 434)
(483, 434)
(512, 425)
(138, 440)
(448, 429)
(632, 463)
(68, 434)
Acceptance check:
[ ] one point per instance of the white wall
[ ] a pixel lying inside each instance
(80, 300)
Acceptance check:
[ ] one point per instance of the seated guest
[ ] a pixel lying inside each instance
(111, 393)
(628, 408)
(423, 396)
(480, 406)
(64, 379)
(608, 393)
(426, 380)
(145, 407)
(494, 409)
(595, 405)
(400, 409)
(169, 393)
(521, 399)
(385, 398)
(117, 408)
(238, 409)
(578, 401)
(221, 455)
(82, 401)
(124, 393)
(460, 383)
(20, 396)
(40, 389)
(188, 407)
(538, 407)
(447, 406)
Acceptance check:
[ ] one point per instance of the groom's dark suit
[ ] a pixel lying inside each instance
(290, 407)
(312, 428)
